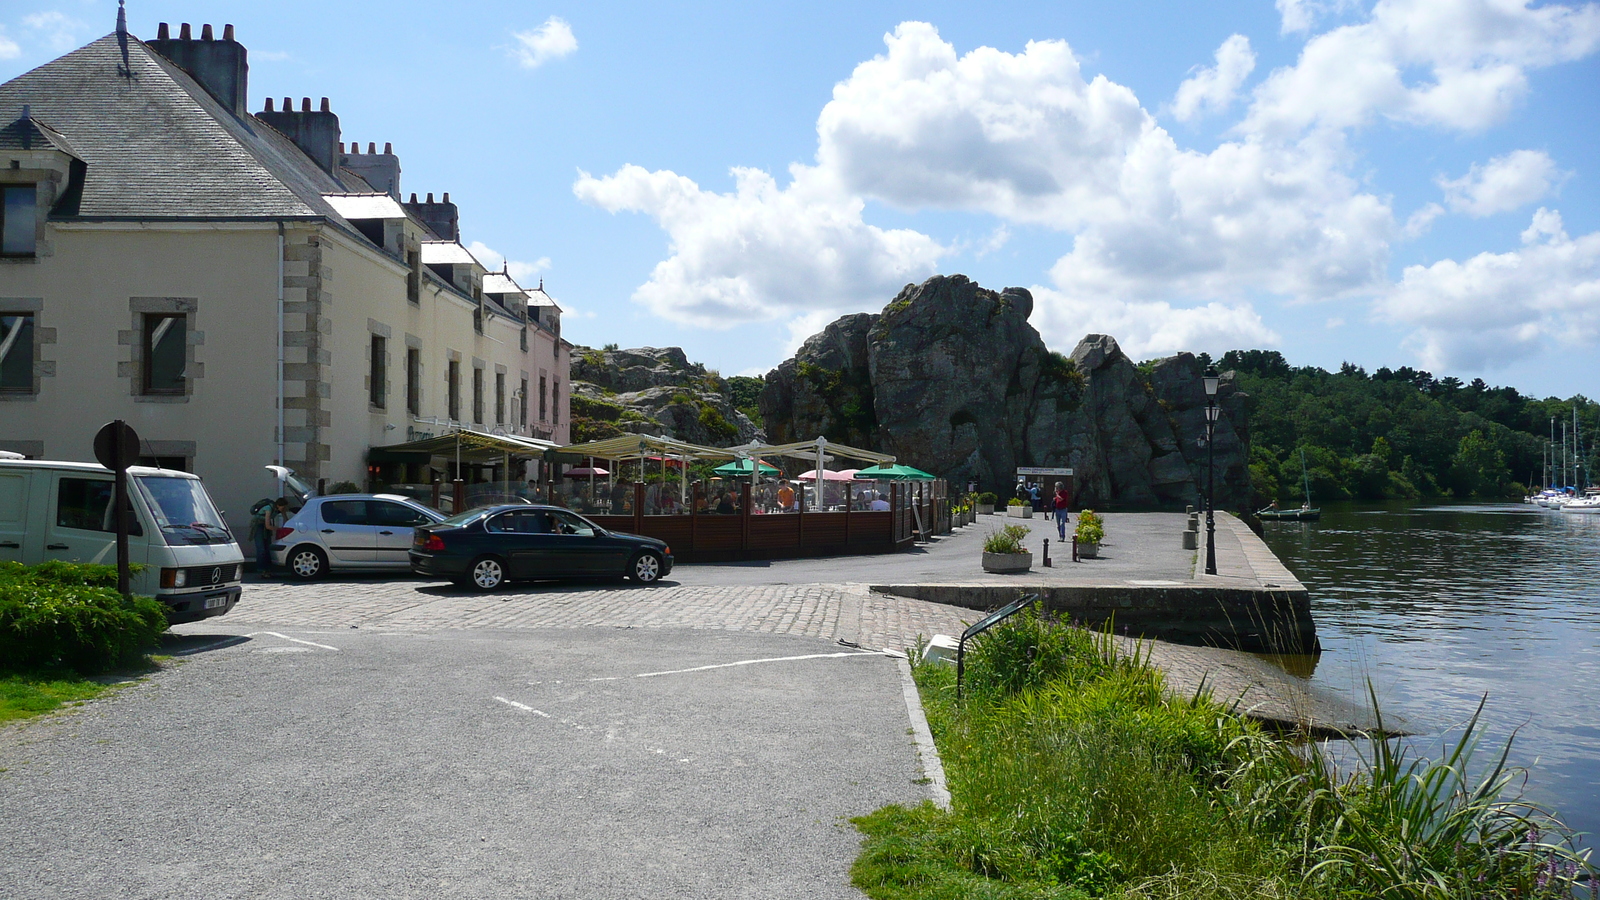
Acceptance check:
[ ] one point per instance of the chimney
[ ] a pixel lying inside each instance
(441, 218)
(381, 170)
(315, 132)
(220, 67)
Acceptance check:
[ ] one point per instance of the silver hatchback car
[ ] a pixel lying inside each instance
(350, 532)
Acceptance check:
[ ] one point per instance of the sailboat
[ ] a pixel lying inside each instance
(1306, 513)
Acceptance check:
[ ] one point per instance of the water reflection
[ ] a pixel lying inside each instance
(1438, 604)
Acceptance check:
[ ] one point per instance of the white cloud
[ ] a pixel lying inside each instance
(1419, 222)
(761, 252)
(1027, 138)
(1212, 89)
(1497, 307)
(552, 40)
(1302, 15)
(1149, 328)
(58, 31)
(1457, 64)
(521, 272)
(9, 49)
(1506, 183)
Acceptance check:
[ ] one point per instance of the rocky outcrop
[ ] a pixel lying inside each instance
(653, 391)
(951, 378)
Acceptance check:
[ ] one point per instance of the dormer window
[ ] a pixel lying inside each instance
(19, 221)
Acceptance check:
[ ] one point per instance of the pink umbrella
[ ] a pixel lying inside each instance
(827, 475)
(586, 471)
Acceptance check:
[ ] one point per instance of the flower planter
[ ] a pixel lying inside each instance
(985, 509)
(1007, 562)
(1088, 551)
(1019, 512)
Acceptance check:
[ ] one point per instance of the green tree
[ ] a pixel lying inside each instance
(1478, 468)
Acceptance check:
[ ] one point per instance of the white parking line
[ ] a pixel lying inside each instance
(296, 640)
(523, 707)
(748, 662)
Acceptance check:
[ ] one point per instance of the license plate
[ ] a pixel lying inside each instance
(216, 600)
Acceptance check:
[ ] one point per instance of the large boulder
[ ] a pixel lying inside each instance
(657, 392)
(951, 378)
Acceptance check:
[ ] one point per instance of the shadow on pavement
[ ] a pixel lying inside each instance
(173, 644)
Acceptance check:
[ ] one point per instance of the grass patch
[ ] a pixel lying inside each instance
(27, 694)
(1073, 774)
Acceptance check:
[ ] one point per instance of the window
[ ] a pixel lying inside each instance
(85, 504)
(455, 389)
(344, 512)
(523, 397)
(414, 277)
(16, 352)
(524, 338)
(18, 220)
(477, 396)
(555, 401)
(398, 515)
(414, 381)
(376, 395)
(499, 398)
(542, 409)
(165, 353)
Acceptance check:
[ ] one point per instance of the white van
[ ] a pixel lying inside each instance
(62, 510)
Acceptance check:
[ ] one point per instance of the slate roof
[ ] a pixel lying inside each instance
(159, 146)
(537, 297)
(501, 283)
(32, 134)
(440, 252)
(366, 206)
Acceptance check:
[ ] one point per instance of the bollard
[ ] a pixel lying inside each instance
(1046, 554)
(1074, 548)
(1190, 540)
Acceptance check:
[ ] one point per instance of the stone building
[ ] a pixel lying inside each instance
(243, 289)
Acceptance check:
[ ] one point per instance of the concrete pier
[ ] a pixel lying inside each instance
(1145, 584)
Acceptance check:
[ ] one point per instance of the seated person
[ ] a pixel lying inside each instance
(785, 495)
(726, 505)
(879, 504)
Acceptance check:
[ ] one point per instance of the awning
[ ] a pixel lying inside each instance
(469, 446)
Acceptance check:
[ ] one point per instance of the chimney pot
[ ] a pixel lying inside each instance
(388, 148)
(305, 104)
(227, 32)
(288, 104)
(372, 147)
(447, 196)
(413, 196)
(184, 33)
(269, 105)
(163, 33)
(325, 107)
(205, 32)
(430, 196)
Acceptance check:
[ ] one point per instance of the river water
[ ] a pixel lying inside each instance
(1439, 604)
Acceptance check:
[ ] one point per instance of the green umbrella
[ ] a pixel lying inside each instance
(893, 473)
(742, 467)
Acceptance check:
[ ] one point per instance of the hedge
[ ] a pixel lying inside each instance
(70, 614)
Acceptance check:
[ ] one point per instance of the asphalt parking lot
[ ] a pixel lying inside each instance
(386, 762)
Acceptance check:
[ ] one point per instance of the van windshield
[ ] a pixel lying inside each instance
(182, 510)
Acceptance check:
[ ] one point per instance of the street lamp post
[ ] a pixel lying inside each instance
(1211, 469)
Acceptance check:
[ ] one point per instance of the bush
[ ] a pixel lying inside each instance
(1015, 501)
(344, 487)
(1006, 540)
(988, 498)
(1091, 528)
(70, 614)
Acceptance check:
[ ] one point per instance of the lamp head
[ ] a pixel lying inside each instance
(1211, 381)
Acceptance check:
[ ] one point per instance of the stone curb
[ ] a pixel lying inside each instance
(927, 751)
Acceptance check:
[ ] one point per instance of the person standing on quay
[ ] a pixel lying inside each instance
(1060, 502)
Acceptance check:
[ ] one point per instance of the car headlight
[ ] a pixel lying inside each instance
(174, 578)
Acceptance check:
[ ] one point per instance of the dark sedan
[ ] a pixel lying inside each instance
(486, 547)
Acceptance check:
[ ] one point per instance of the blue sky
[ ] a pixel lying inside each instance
(1401, 183)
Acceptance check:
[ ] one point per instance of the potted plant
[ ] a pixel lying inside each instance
(1016, 509)
(1003, 551)
(986, 502)
(1091, 531)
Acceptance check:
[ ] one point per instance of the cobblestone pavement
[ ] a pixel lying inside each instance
(834, 611)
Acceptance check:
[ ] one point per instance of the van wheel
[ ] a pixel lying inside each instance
(487, 574)
(646, 568)
(307, 563)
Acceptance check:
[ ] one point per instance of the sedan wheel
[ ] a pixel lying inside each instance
(307, 563)
(488, 574)
(646, 568)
